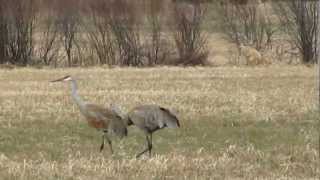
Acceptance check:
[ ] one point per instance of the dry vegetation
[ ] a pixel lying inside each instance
(83, 33)
(236, 123)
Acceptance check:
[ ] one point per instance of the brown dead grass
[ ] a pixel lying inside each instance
(236, 123)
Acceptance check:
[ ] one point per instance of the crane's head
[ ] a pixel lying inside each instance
(65, 79)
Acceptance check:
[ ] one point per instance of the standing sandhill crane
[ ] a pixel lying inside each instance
(150, 118)
(103, 119)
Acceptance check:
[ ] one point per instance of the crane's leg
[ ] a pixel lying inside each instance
(110, 143)
(148, 148)
(150, 145)
(102, 144)
(105, 136)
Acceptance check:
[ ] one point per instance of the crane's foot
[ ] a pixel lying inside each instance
(149, 147)
(144, 151)
(101, 147)
(138, 155)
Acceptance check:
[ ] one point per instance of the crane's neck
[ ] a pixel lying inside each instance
(75, 96)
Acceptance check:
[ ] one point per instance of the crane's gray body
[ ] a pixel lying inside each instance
(150, 118)
(103, 119)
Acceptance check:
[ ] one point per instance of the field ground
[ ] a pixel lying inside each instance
(236, 123)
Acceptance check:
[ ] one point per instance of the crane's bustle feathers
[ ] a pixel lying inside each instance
(150, 117)
(171, 121)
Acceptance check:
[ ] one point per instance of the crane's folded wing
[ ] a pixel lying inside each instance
(111, 120)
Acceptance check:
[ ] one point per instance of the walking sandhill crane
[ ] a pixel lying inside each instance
(150, 118)
(102, 118)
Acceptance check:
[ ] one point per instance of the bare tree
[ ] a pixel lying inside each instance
(21, 18)
(69, 24)
(299, 20)
(189, 36)
(124, 24)
(99, 31)
(3, 33)
(155, 45)
(246, 22)
(48, 30)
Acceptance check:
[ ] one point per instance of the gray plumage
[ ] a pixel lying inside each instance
(150, 118)
(116, 108)
(103, 119)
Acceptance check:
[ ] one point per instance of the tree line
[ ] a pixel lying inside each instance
(143, 32)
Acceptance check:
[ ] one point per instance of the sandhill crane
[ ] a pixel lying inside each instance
(150, 118)
(103, 119)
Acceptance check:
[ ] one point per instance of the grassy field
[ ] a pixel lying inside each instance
(236, 123)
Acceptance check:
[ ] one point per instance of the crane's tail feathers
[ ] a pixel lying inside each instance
(172, 121)
(117, 109)
(171, 124)
(128, 121)
(118, 128)
(178, 123)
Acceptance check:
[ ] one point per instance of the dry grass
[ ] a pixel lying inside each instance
(236, 123)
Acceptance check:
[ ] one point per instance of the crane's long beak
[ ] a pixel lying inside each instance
(66, 78)
(57, 80)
